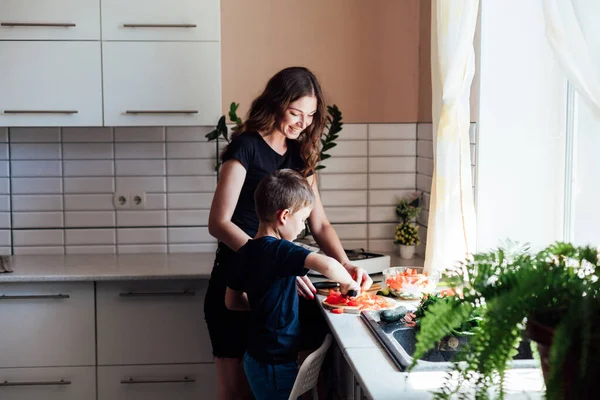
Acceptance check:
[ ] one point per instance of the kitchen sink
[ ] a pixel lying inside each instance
(399, 341)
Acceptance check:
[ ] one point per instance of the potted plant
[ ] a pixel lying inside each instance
(552, 297)
(408, 208)
(406, 238)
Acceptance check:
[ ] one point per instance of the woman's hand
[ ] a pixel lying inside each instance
(305, 288)
(360, 276)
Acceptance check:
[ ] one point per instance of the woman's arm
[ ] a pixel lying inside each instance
(333, 270)
(328, 240)
(223, 205)
(236, 301)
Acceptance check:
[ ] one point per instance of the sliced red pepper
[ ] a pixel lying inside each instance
(337, 311)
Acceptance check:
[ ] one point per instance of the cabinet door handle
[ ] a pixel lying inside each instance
(161, 112)
(132, 381)
(185, 293)
(35, 383)
(39, 24)
(159, 25)
(33, 296)
(40, 111)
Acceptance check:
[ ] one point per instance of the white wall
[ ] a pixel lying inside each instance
(521, 128)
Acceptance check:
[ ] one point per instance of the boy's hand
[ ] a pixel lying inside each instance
(344, 288)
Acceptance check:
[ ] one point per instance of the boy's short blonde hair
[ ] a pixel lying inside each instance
(283, 189)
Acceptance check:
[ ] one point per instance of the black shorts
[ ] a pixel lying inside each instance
(228, 330)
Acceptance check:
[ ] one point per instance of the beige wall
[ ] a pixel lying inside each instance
(365, 53)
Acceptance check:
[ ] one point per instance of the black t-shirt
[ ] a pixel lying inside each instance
(267, 271)
(259, 160)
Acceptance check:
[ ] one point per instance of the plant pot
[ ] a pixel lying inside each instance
(406, 252)
(543, 335)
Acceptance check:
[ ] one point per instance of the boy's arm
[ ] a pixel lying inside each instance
(236, 301)
(333, 270)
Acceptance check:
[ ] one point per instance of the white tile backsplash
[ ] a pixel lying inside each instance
(77, 237)
(140, 134)
(35, 151)
(88, 167)
(38, 135)
(37, 202)
(36, 185)
(36, 168)
(139, 150)
(349, 148)
(89, 202)
(140, 167)
(87, 135)
(343, 181)
(63, 181)
(392, 131)
(87, 151)
(191, 150)
(89, 185)
(48, 219)
(38, 237)
(82, 219)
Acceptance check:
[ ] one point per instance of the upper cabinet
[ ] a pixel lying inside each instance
(49, 20)
(161, 20)
(109, 62)
(50, 84)
(161, 83)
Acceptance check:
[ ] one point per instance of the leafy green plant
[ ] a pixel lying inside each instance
(558, 288)
(407, 234)
(408, 208)
(333, 128)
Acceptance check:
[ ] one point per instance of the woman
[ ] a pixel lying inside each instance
(283, 130)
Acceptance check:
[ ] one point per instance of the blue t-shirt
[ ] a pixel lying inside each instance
(267, 271)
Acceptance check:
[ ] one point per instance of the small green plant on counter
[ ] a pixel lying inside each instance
(407, 234)
(332, 129)
(513, 292)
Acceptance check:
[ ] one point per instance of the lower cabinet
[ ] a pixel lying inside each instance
(157, 382)
(58, 383)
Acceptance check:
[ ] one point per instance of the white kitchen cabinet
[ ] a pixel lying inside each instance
(156, 20)
(161, 83)
(58, 383)
(152, 322)
(50, 84)
(49, 20)
(46, 324)
(164, 382)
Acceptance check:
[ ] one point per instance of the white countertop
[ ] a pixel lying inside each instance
(381, 379)
(102, 267)
(99, 267)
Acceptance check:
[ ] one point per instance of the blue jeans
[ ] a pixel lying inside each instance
(270, 382)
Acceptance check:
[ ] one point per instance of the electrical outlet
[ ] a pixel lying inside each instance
(137, 200)
(121, 200)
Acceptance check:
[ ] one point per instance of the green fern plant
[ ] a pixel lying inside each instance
(558, 287)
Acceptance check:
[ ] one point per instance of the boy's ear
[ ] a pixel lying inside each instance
(283, 216)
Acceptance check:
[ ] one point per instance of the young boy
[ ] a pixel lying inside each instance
(264, 282)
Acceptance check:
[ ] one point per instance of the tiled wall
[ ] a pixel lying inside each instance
(57, 187)
(425, 172)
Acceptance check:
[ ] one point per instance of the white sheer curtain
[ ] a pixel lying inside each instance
(451, 226)
(570, 26)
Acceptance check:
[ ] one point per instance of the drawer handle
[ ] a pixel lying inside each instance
(40, 111)
(185, 293)
(35, 383)
(159, 25)
(161, 112)
(42, 24)
(33, 296)
(132, 381)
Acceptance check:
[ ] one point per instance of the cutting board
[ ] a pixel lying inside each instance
(354, 310)
(376, 287)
